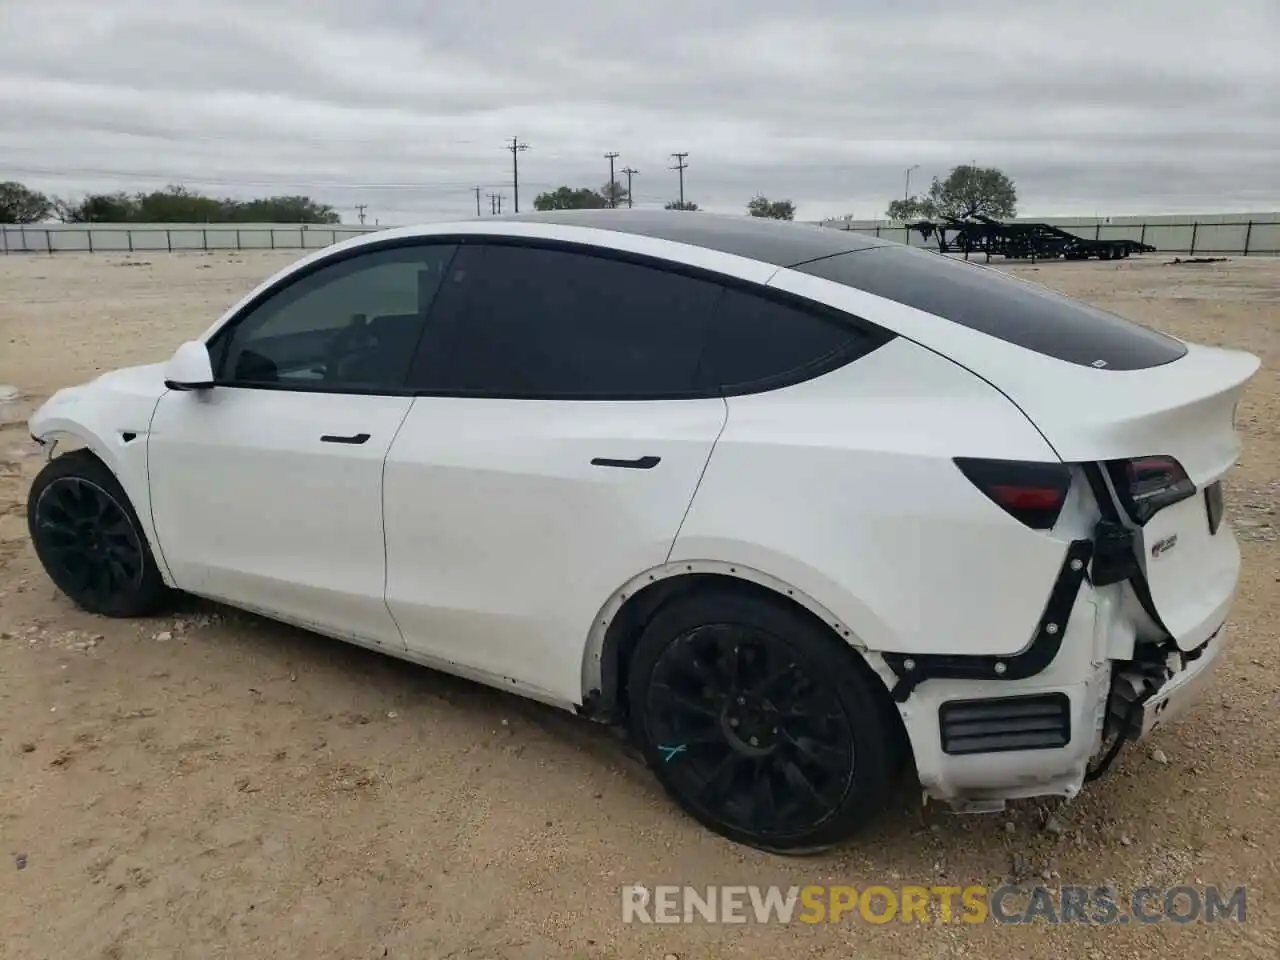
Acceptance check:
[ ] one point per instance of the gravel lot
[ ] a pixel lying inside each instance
(212, 785)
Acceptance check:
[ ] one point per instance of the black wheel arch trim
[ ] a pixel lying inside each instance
(913, 669)
(631, 608)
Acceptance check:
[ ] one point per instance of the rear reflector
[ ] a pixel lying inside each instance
(1032, 493)
(1213, 505)
(1146, 485)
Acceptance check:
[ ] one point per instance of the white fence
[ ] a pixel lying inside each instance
(170, 237)
(1209, 235)
(1222, 234)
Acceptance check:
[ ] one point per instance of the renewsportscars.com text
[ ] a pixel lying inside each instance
(876, 904)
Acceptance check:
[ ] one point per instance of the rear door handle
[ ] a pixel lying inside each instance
(356, 438)
(640, 463)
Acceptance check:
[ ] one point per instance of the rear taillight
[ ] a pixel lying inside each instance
(1146, 485)
(1032, 493)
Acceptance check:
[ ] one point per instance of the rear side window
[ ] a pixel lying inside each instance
(1001, 306)
(756, 339)
(522, 321)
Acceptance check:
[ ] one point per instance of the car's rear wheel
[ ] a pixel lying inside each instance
(759, 722)
(89, 540)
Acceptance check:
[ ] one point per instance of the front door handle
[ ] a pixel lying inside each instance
(356, 438)
(640, 463)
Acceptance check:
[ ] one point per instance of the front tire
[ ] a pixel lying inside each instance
(88, 538)
(759, 722)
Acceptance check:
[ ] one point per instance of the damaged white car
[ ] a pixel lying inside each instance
(799, 507)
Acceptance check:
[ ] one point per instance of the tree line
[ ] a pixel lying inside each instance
(173, 204)
(613, 194)
(966, 190)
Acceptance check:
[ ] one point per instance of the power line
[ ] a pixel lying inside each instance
(64, 173)
(391, 138)
(613, 190)
(262, 134)
(515, 146)
(630, 173)
(680, 165)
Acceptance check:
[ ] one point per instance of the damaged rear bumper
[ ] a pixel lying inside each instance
(1186, 678)
(978, 743)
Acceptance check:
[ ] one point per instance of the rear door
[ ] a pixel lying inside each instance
(1155, 413)
(545, 460)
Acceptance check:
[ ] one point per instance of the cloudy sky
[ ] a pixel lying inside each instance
(1168, 106)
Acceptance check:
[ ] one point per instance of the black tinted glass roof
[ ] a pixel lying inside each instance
(776, 242)
(994, 303)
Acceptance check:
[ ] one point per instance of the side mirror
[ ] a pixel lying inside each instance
(189, 368)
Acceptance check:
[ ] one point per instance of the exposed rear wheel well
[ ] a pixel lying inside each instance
(624, 632)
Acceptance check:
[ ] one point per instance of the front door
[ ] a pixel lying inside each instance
(272, 500)
(266, 491)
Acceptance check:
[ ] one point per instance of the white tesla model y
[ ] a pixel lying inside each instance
(795, 505)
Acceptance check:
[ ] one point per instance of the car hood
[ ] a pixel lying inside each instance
(126, 393)
(144, 380)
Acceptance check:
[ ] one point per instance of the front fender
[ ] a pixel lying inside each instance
(113, 426)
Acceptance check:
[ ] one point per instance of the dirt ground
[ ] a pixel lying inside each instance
(211, 785)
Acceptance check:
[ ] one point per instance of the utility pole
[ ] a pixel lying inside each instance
(613, 190)
(493, 204)
(515, 146)
(680, 165)
(477, 189)
(360, 209)
(630, 173)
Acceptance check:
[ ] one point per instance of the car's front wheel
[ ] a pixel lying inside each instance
(89, 540)
(758, 721)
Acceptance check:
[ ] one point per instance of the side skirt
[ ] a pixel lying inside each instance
(438, 664)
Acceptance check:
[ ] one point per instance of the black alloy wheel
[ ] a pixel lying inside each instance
(760, 726)
(766, 747)
(87, 537)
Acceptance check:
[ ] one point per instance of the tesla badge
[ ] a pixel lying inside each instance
(1164, 546)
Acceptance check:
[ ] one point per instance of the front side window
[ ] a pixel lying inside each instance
(523, 321)
(352, 324)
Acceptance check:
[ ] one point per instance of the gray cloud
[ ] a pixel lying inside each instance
(1169, 106)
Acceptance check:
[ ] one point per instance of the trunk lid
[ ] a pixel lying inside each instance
(1183, 410)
